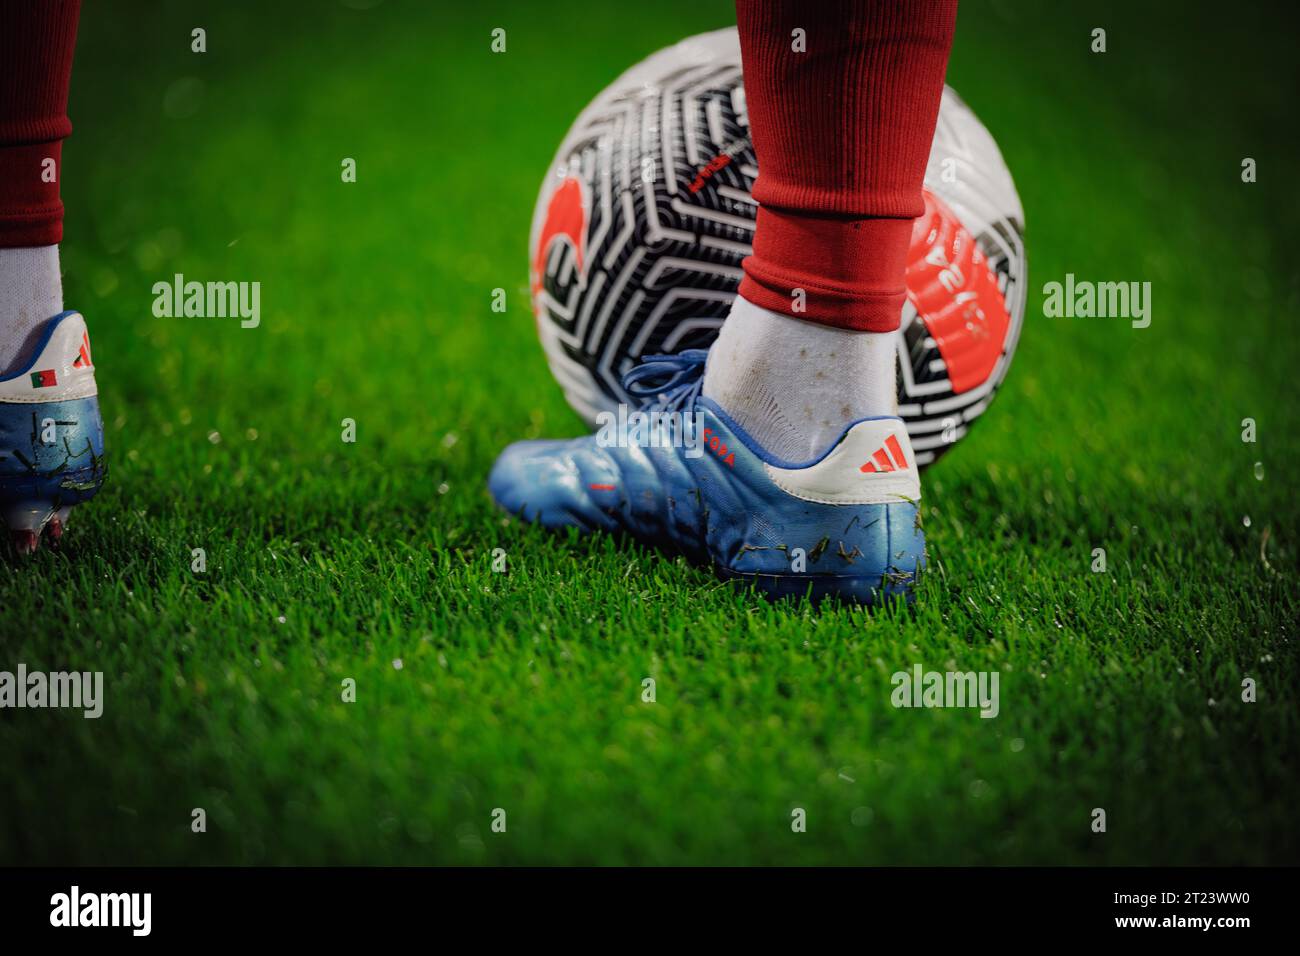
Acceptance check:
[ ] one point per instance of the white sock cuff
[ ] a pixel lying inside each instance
(31, 291)
(792, 384)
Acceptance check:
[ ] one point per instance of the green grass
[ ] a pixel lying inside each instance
(328, 561)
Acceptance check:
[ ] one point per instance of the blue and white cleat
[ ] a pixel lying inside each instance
(845, 525)
(51, 436)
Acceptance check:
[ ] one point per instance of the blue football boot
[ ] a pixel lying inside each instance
(51, 436)
(685, 478)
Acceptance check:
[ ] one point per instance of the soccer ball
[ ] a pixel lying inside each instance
(646, 214)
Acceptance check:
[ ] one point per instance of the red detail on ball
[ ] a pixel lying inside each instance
(566, 216)
(956, 294)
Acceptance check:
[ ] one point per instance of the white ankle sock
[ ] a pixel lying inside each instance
(794, 385)
(31, 291)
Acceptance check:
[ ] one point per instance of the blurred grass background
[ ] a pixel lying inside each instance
(328, 560)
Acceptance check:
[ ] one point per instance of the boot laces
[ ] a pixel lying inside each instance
(667, 382)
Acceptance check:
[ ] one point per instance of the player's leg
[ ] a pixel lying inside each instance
(843, 97)
(51, 438)
(806, 483)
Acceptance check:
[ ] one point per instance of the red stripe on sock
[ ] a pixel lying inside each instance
(31, 213)
(842, 130)
(848, 273)
(36, 44)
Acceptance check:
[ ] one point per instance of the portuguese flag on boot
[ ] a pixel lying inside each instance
(44, 379)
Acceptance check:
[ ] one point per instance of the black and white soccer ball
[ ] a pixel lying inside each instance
(646, 214)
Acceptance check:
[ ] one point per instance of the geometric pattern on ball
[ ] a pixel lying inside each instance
(646, 214)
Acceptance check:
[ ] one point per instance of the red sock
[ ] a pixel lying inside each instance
(842, 132)
(36, 42)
